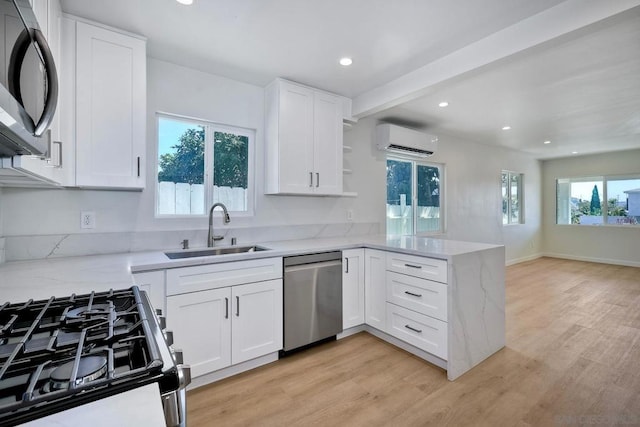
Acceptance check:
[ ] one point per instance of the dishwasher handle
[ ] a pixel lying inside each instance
(291, 268)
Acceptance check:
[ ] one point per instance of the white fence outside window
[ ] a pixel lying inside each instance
(188, 199)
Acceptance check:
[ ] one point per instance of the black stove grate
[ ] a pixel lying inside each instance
(41, 339)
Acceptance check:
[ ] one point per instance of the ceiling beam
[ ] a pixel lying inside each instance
(547, 25)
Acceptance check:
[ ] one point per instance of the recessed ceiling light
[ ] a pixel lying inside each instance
(443, 104)
(346, 61)
(574, 152)
(506, 127)
(185, 2)
(547, 142)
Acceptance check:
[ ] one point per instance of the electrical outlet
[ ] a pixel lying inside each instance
(87, 219)
(349, 215)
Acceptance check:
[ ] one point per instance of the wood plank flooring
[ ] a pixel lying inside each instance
(572, 358)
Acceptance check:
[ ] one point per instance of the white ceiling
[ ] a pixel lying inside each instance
(580, 90)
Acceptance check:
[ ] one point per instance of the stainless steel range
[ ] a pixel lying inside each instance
(60, 353)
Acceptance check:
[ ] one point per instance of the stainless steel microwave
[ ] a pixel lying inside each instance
(28, 82)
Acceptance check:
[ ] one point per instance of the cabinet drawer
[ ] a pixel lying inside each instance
(212, 276)
(424, 296)
(426, 268)
(422, 331)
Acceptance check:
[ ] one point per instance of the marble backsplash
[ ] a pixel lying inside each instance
(15, 248)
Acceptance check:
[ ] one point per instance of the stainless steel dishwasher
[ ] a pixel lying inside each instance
(312, 298)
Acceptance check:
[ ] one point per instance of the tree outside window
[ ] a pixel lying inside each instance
(413, 197)
(201, 163)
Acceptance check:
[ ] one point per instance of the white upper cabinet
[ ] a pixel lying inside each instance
(110, 108)
(303, 140)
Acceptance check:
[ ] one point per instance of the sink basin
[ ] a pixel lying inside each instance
(215, 251)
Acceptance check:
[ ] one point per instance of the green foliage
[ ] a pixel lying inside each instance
(398, 181)
(186, 163)
(595, 208)
(231, 153)
(428, 186)
(614, 210)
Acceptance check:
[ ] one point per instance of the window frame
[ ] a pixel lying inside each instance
(414, 192)
(604, 197)
(520, 176)
(209, 131)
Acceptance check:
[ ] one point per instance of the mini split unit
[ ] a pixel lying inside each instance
(405, 141)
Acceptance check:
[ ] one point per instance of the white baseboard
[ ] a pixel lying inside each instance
(523, 259)
(627, 263)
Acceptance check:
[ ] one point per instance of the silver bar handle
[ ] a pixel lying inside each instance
(237, 306)
(413, 266)
(413, 329)
(347, 264)
(18, 54)
(317, 179)
(412, 294)
(310, 179)
(226, 307)
(138, 166)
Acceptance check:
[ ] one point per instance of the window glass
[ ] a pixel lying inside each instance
(428, 208)
(579, 201)
(399, 197)
(180, 167)
(414, 194)
(623, 201)
(511, 198)
(202, 163)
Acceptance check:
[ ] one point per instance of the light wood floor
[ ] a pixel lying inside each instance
(572, 358)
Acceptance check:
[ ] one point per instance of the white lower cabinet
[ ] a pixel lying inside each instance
(416, 301)
(152, 282)
(256, 326)
(227, 325)
(422, 331)
(201, 325)
(375, 288)
(353, 294)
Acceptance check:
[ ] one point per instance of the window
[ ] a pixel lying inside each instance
(200, 163)
(511, 198)
(598, 200)
(414, 192)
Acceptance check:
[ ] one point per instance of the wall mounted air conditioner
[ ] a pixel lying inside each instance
(397, 139)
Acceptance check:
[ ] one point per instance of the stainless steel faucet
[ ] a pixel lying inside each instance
(211, 238)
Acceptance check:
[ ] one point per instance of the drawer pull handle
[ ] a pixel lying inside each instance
(413, 329)
(226, 308)
(237, 306)
(412, 294)
(413, 266)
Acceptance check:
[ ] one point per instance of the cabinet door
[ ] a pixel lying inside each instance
(152, 282)
(352, 288)
(296, 139)
(327, 132)
(110, 108)
(201, 324)
(257, 320)
(375, 288)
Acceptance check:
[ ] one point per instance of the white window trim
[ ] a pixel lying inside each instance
(605, 197)
(210, 129)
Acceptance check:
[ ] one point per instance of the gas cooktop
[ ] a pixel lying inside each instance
(63, 352)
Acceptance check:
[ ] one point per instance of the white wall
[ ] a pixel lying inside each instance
(473, 200)
(609, 244)
(472, 192)
(178, 90)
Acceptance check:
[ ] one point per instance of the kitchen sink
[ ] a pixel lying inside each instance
(215, 251)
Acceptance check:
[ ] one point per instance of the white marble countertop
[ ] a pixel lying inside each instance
(39, 279)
